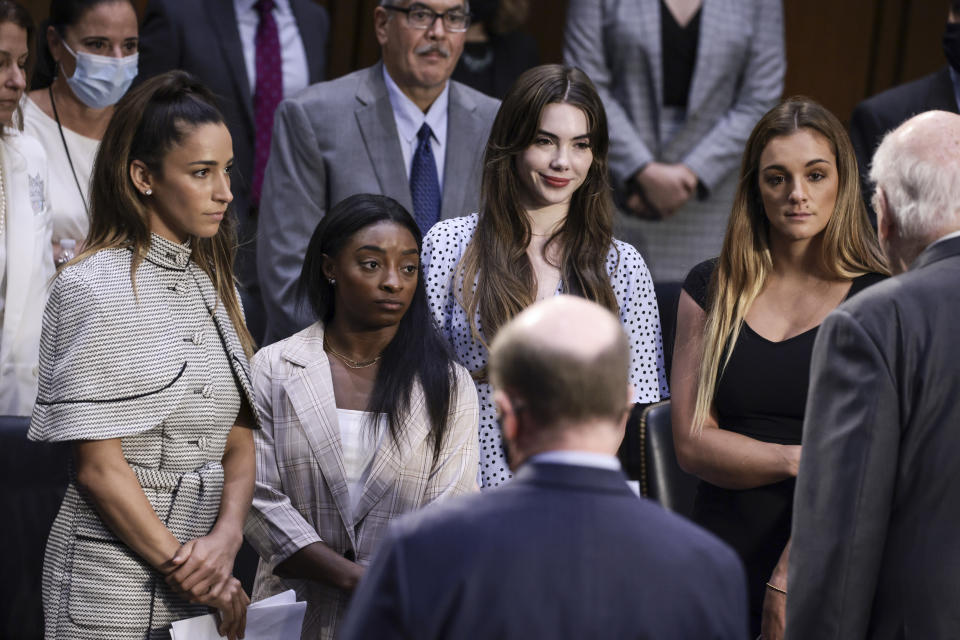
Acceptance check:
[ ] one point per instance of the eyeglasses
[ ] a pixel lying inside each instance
(423, 17)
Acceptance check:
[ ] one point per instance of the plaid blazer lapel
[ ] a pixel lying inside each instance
(390, 458)
(310, 392)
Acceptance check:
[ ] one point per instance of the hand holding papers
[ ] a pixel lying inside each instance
(279, 617)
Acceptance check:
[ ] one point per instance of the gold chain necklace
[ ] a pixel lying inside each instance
(353, 364)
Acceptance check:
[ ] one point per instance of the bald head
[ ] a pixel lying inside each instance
(565, 360)
(917, 172)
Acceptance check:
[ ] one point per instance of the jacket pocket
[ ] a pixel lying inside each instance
(110, 587)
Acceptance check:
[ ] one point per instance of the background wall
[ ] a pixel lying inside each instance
(838, 51)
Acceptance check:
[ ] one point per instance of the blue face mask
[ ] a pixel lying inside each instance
(100, 81)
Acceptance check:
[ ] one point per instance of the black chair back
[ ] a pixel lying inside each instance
(34, 477)
(661, 477)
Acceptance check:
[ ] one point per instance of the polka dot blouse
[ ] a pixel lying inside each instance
(632, 286)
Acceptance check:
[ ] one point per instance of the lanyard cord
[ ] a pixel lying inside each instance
(56, 117)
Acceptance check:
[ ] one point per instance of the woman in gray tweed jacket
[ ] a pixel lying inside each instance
(143, 369)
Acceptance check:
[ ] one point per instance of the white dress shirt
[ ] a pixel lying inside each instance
(293, 55)
(578, 458)
(410, 118)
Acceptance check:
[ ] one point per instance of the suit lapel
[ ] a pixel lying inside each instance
(649, 25)
(223, 17)
(390, 458)
(20, 241)
(228, 335)
(313, 44)
(704, 68)
(464, 133)
(379, 131)
(942, 96)
(311, 394)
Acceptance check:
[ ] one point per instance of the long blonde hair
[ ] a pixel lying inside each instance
(849, 247)
(147, 122)
(496, 257)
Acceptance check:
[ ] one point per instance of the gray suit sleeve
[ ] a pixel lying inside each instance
(718, 153)
(851, 438)
(584, 47)
(293, 202)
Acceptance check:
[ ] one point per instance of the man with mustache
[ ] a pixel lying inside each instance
(400, 128)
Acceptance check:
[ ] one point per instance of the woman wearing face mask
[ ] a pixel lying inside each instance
(544, 228)
(87, 61)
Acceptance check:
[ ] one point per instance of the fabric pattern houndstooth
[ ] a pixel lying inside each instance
(164, 374)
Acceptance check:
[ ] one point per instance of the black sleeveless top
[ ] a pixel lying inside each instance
(761, 394)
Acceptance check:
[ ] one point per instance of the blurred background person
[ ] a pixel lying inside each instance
(566, 550)
(798, 243)
(252, 54)
(876, 116)
(496, 51)
(683, 82)
(87, 60)
(544, 228)
(144, 372)
(26, 260)
(365, 414)
(399, 127)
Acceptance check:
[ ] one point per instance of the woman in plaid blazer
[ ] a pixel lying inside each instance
(365, 415)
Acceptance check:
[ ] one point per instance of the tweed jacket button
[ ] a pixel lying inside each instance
(198, 338)
(207, 391)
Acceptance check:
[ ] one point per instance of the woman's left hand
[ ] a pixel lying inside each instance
(203, 564)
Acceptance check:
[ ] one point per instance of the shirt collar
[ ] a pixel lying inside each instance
(242, 6)
(409, 117)
(168, 254)
(578, 458)
(949, 236)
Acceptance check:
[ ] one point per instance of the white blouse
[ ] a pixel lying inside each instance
(442, 248)
(358, 443)
(70, 219)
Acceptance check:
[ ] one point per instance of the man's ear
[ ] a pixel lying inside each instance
(141, 176)
(886, 225)
(508, 415)
(381, 17)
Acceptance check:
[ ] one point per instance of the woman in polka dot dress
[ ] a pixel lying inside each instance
(544, 228)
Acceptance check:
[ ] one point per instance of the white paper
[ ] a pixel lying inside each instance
(278, 617)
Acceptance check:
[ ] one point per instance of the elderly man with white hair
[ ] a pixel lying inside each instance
(877, 507)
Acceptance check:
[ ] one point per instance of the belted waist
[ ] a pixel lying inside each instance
(170, 480)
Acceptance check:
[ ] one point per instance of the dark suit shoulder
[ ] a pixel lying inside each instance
(893, 106)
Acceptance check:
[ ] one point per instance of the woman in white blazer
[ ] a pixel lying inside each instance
(26, 260)
(365, 415)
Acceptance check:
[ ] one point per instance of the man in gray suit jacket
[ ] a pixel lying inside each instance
(876, 518)
(359, 134)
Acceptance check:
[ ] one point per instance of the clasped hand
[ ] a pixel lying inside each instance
(202, 572)
(659, 189)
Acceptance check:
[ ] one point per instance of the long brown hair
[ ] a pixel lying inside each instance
(147, 123)
(849, 247)
(496, 257)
